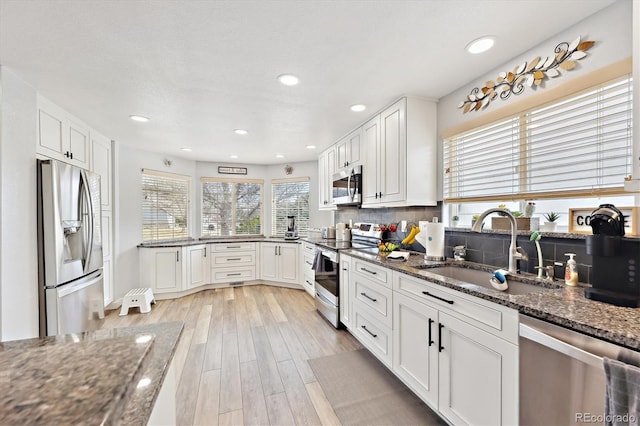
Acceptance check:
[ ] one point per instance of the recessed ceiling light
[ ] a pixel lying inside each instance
(288, 79)
(240, 132)
(358, 107)
(279, 156)
(186, 149)
(233, 156)
(480, 45)
(311, 147)
(139, 118)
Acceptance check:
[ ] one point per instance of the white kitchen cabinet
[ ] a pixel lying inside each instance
(400, 147)
(197, 266)
(233, 262)
(280, 262)
(348, 149)
(307, 255)
(161, 269)
(101, 164)
(326, 169)
(346, 290)
(61, 136)
(459, 356)
(107, 255)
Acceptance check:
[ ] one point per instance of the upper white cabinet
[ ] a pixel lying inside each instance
(326, 169)
(401, 155)
(61, 136)
(348, 149)
(102, 165)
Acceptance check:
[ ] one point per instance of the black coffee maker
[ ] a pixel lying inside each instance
(615, 272)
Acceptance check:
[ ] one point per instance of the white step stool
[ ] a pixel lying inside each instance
(140, 297)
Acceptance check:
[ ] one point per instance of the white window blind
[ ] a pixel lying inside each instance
(290, 197)
(579, 146)
(165, 206)
(231, 206)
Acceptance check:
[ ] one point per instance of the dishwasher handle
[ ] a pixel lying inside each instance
(558, 345)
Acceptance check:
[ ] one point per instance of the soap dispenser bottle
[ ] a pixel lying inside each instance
(571, 271)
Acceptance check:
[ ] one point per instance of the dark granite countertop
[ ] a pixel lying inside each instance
(86, 378)
(331, 244)
(561, 305)
(192, 242)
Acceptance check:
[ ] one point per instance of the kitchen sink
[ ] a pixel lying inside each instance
(481, 278)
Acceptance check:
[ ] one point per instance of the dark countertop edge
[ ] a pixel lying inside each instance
(187, 243)
(139, 407)
(524, 304)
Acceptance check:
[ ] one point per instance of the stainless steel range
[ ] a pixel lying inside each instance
(365, 237)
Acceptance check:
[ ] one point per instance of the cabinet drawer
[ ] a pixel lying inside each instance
(374, 299)
(376, 273)
(234, 258)
(233, 246)
(375, 337)
(496, 319)
(308, 248)
(227, 275)
(308, 282)
(307, 263)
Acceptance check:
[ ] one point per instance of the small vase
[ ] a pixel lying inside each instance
(550, 226)
(454, 223)
(529, 210)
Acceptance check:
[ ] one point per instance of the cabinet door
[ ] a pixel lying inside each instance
(167, 269)
(49, 132)
(353, 147)
(197, 266)
(268, 261)
(288, 263)
(392, 155)
(331, 169)
(370, 170)
(478, 375)
(344, 290)
(415, 346)
(101, 164)
(342, 152)
(78, 144)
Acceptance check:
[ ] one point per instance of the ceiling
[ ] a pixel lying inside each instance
(200, 69)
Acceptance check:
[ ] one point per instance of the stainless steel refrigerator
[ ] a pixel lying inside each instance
(70, 276)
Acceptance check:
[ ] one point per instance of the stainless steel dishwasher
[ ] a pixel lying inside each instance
(562, 379)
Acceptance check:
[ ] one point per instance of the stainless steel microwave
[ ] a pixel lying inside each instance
(347, 187)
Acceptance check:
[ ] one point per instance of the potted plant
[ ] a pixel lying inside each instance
(454, 221)
(551, 219)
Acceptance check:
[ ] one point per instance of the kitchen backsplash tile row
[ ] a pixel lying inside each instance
(487, 248)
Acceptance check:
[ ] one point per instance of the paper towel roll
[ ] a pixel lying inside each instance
(435, 240)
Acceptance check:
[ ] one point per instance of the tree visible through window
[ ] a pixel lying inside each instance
(231, 207)
(165, 206)
(290, 197)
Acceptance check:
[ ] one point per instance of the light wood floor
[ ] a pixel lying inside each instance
(242, 358)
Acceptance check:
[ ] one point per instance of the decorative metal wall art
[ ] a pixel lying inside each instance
(527, 74)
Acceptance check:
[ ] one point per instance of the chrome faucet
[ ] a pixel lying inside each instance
(515, 253)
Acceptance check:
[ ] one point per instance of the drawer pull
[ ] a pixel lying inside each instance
(233, 247)
(364, 327)
(234, 274)
(307, 281)
(431, 342)
(438, 297)
(368, 297)
(371, 272)
(308, 263)
(233, 258)
(440, 347)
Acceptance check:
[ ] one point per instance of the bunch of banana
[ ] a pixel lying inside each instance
(411, 237)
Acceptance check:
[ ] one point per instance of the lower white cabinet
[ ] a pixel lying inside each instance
(233, 262)
(308, 273)
(468, 374)
(161, 269)
(280, 262)
(197, 266)
(345, 291)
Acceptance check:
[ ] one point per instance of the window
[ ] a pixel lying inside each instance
(289, 197)
(165, 206)
(231, 206)
(580, 146)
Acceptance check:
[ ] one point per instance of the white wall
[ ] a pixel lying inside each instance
(18, 238)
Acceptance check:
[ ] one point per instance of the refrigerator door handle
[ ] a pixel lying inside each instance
(89, 219)
(87, 281)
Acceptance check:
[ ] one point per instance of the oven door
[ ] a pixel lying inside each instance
(327, 288)
(347, 187)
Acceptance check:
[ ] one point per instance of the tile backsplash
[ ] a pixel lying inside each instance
(490, 248)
